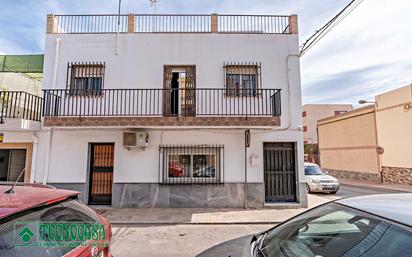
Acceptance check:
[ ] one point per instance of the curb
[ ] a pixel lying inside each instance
(375, 186)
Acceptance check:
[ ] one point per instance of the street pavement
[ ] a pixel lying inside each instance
(171, 240)
(350, 190)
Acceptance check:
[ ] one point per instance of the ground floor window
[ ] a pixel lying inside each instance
(191, 164)
(12, 164)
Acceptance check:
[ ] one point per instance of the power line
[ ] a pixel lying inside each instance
(331, 24)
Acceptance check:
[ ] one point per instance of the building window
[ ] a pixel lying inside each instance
(340, 112)
(195, 164)
(304, 114)
(242, 79)
(305, 128)
(86, 78)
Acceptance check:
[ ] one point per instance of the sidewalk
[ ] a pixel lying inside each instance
(400, 188)
(165, 216)
(159, 216)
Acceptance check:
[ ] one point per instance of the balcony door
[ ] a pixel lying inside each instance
(179, 97)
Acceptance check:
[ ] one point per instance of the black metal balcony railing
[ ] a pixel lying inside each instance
(162, 102)
(19, 104)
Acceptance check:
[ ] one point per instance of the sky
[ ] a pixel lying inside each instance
(368, 53)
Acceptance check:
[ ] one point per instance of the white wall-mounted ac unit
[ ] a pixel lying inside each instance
(135, 139)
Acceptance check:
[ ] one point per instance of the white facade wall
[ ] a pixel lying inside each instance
(69, 161)
(140, 65)
(142, 56)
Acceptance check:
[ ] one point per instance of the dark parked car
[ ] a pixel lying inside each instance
(32, 215)
(367, 226)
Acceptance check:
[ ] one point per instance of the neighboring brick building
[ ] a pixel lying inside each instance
(371, 143)
(311, 113)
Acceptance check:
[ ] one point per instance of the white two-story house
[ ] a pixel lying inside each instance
(173, 110)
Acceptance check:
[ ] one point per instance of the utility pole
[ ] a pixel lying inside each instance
(247, 144)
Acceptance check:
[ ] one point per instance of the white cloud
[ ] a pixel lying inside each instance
(376, 33)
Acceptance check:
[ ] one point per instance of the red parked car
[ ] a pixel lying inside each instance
(176, 169)
(33, 213)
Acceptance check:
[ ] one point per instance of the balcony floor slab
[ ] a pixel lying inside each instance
(161, 121)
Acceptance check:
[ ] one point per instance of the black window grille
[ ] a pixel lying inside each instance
(191, 164)
(242, 78)
(85, 78)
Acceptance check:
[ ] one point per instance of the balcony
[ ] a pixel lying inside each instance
(171, 23)
(162, 107)
(19, 110)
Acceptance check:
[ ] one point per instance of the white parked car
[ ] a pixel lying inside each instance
(318, 181)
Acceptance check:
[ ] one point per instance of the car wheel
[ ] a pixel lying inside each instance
(308, 189)
(333, 192)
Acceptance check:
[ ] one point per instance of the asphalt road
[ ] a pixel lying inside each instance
(349, 190)
(189, 240)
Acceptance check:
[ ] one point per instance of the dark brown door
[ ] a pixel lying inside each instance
(189, 108)
(101, 173)
(279, 172)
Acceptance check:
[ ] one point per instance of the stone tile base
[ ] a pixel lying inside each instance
(229, 195)
(396, 175)
(354, 175)
(152, 195)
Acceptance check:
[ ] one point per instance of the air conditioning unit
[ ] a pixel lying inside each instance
(135, 139)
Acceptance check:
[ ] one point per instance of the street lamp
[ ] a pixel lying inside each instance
(367, 102)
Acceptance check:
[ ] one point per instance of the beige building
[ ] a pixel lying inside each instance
(347, 145)
(311, 113)
(372, 142)
(394, 122)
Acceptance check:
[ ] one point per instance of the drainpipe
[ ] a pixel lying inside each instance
(288, 94)
(56, 62)
(54, 85)
(48, 153)
(34, 159)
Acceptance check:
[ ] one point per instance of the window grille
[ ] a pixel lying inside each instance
(242, 78)
(191, 164)
(85, 78)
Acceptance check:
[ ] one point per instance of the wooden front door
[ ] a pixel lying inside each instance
(101, 173)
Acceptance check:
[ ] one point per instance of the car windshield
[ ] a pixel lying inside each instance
(67, 211)
(313, 170)
(334, 230)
